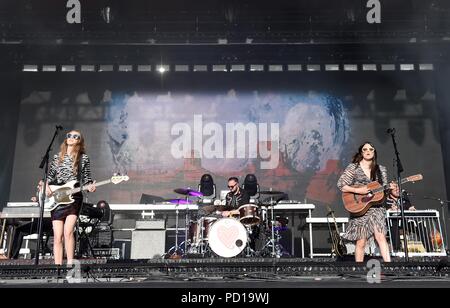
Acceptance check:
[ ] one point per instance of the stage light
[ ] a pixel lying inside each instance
(369, 67)
(350, 67)
(49, 68)
(125, 68)
(106, 68)
(88, 68)
(294, 67)
(406, 67)
(219, 68)
(426, 67)
(200, 68)
(237, 67)
(30, 68)
(144, 68)
(182, 68)
(275, 68)
(162, 69)
(313, 67)
(67, 68)
(256, 67)
(388, 67)
(332, 67)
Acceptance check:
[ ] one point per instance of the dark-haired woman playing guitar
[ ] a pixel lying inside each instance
(363, 170)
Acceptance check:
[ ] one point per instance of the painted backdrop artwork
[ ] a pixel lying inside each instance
(173, 139)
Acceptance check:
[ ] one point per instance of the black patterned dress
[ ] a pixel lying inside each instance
(62, 172)
(363, 227)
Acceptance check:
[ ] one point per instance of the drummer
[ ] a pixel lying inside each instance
(234, 199)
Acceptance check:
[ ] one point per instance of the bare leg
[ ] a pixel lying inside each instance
(384, 246)
(58, 230)
(359, 249)
(69, 237)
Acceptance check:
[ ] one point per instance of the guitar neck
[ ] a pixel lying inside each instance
(386, 187)
(85, 187)
(332, 216)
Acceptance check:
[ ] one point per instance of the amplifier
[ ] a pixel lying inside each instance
(108, 253)
(150, 224)
(148, 240)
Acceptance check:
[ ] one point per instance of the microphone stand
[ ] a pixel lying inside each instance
(43, 165)
(399, 183)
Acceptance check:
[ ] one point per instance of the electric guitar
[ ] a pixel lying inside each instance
(62, 194)
(337, 245)
(358, 205)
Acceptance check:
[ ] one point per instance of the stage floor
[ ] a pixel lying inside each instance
(228, 273)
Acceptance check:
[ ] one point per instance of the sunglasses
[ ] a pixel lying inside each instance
(74, 136)
(368, 149)
(232, 186)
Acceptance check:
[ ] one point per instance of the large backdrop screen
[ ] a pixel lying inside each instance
(294, 131)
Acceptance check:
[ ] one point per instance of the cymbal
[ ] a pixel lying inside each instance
(188, 192)
(271, 192)
(179, 201)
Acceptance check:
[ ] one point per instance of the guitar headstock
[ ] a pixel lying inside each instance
(116, 179)
(414, 178)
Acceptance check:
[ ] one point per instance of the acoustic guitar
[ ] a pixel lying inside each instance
(358, 204)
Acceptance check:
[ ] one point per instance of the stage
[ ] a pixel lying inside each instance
(226, 145)
(228, 273)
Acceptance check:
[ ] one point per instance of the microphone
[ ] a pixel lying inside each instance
(390, 130)
(59, 127)
(406, 193)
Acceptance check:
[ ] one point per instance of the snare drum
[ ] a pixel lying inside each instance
(249, 214)
(227, 237)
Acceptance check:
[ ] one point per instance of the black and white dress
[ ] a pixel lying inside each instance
(62, 172)
(363, 227)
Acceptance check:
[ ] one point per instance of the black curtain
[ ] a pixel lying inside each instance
(9, 116)
(443, 99)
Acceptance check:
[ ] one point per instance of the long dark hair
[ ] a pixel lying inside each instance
(374, 168)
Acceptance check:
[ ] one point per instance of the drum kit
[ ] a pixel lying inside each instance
(212, 235)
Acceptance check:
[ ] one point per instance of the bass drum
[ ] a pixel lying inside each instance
(227, 237)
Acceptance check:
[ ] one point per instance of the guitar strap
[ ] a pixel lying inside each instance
(79, 175)
(379, 176)
(77, 225)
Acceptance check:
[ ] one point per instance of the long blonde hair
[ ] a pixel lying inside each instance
(79, 149)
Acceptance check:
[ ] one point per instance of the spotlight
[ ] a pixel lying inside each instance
(161, 69)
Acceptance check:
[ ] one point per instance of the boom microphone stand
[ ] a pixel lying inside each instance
(44, 165)
(391, 131)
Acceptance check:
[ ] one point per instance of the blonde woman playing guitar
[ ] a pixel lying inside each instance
(65, 167)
